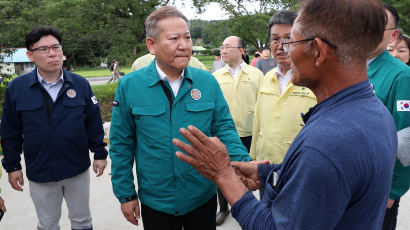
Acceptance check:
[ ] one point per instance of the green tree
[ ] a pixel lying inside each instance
(403, 8)
(92, 30)
(248, 19)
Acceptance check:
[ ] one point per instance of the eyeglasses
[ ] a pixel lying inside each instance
(285, 45)
(390, 28)
(46, 49)
(277, 41)
(229, 47)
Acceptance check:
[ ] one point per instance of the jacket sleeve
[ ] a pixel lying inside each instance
(123, 143)
(223, 127)
(11, 134)
(400, 92)
(95, 131)
(294, 207)
(255, 129)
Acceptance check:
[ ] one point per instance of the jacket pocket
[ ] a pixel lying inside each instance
(150, 120)
(200, 106)
(200, 114)
(148, 110)
(28, 107)
(74, 103)
(31, 115)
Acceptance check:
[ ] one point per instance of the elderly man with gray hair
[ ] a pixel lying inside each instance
(149, 107)
(337, 172)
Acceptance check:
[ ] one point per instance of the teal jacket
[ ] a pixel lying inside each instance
(143, 126)
(391, 82)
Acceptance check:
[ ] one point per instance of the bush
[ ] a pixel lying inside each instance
(105, 95)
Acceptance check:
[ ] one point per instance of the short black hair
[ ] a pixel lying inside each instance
(265, 48)
(217, 53)
(394, 13)
(38, 32)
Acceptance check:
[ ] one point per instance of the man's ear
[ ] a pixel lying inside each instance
(30, 56)
(394, 36)
(322, 51)
(150, 43)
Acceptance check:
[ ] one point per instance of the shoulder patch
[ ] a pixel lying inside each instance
(115, 103)
(403, 105)
(94, 99)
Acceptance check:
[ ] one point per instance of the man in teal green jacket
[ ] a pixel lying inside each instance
(391, 82)
(150, 106)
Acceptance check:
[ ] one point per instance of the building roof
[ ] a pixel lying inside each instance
(198, 48)
(18, 56)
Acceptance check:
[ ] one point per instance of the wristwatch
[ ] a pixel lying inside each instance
(131, 198)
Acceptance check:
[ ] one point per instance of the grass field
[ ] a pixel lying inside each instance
(99, 72)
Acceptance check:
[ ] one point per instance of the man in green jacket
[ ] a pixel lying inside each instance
(150, 106)
(391, 80)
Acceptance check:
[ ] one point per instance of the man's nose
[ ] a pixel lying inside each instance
(184, 43)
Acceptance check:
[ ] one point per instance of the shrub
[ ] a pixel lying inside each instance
(105, 95)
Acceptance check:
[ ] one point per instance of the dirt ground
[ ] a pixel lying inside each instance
(105, 208)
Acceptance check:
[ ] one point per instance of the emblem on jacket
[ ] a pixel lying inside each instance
(71, 93)
(94, 99)
(403, 105)
(196, 94)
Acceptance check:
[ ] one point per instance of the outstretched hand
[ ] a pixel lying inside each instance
(207, 154)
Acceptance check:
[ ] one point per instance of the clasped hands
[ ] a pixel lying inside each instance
(209, 156)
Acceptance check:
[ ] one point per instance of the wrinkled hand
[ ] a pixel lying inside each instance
(2, 206)
(390, 203)
(207, 154)
(16, 180)
(99, 166)
(131, 211)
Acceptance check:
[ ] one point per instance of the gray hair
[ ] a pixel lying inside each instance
(282, 17)
(152, 20)
(355, 27)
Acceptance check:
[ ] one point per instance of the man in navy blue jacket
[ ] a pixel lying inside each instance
(55, 116)
(337, 172)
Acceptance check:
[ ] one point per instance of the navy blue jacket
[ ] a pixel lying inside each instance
(56, 136)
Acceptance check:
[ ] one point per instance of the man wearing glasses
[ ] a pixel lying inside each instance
(54, 117)
(337, 171)
(277, 118)
(390, 80)
(240, 84)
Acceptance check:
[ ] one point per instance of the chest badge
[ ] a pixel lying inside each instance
(196, 94)
(71, 93)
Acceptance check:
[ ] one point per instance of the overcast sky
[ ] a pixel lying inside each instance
(213, 11)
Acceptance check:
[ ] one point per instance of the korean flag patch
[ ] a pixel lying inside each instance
(94, 99)
(403, 105)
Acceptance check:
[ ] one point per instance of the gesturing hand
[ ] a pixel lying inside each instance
(207, 154)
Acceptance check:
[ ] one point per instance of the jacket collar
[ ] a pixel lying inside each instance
(377, 63)
(33, 79)
(245, 68)
(153, 78)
